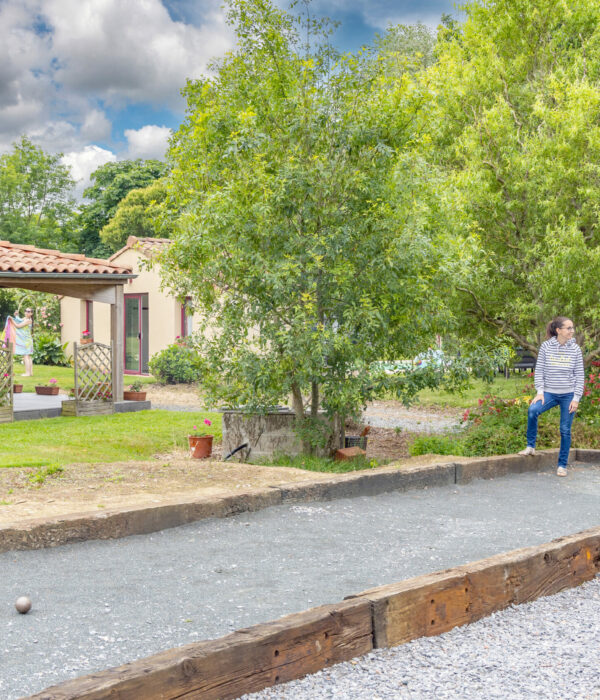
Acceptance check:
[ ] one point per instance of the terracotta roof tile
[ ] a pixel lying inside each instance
(15, 257)
(147, 246)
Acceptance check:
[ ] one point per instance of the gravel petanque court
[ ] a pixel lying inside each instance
(102, 603)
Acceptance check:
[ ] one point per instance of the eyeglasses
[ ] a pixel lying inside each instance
(568, 328)
(28, 311)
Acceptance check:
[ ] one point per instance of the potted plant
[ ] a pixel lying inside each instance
(200, 443)
(50, 389)
(134, 393)
(86, 337)
(17, 388)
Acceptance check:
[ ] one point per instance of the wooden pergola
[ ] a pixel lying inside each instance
(74, 275)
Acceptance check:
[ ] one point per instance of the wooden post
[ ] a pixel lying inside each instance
(117, 334)
(75, 369)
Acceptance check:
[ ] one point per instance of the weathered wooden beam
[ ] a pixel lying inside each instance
(245, 661)
(435, 603)
(94, 291)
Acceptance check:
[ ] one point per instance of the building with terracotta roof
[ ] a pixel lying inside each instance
(153, 319)
(84, 281)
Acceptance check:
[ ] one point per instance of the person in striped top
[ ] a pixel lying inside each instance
(559, 379)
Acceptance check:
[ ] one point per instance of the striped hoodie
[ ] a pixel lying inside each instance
(559, 368)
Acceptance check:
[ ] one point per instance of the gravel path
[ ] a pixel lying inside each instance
(380, 414)
(387, 414)
(99, 604)
(545, 649)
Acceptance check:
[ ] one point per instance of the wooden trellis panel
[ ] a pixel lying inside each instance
(93, 381)
(6, 385)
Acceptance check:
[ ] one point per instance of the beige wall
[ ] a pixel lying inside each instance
(164, 311)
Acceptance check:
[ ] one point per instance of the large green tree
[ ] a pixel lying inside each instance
(310, 234)
(111, 183)
(36, 204)
(141, 213)
(515, 120)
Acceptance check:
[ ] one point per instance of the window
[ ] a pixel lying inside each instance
(89, 318)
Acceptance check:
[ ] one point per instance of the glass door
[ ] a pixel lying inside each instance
(133, 333)
(136, 334)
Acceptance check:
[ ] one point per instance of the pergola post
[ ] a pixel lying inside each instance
(117, 325)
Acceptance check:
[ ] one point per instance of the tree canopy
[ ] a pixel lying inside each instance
(36, 204)
(310, 234)
(513, 121)
(140, 213)
(111, 183)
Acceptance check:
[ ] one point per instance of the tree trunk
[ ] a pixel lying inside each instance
(298, 408)
(314, 400)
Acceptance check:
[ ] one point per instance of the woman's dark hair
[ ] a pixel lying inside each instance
(554, 325)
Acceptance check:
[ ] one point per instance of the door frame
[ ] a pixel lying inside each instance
(139, 296)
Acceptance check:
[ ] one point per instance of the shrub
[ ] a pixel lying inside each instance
(589, 408)
(498, 426)
(47, 350)
(436, 444)
(176, 364)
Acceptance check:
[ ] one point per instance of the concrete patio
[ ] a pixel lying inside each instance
(29, 406)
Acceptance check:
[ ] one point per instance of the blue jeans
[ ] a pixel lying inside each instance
(566, 419)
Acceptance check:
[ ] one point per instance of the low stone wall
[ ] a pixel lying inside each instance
(266, 434)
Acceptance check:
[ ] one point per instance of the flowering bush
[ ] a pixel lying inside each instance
(589, 408)
(498, 426)
(494, 426)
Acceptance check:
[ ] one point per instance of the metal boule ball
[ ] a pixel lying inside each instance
(23, 604)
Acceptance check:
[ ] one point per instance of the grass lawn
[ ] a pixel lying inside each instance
(115, 438)
(505, 388)
(321, 464)
(65, 376)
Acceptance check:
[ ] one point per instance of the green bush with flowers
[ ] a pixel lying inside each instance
(495, 426)
(589, 408)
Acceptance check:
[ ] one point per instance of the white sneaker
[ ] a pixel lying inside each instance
(528, 451)
(561, 471)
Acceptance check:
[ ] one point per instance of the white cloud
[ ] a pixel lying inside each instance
(148, 142)
(65, 63)
(121, 50)
(83, 163)
(96, 126)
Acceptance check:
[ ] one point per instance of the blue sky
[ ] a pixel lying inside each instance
(99, 80)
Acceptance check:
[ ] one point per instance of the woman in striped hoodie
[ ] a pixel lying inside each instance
(559, 379)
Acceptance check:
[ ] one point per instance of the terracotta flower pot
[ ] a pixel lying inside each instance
(200, 446)
(46, 390)
(86, 341)
(134, 395)
(17, 388)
